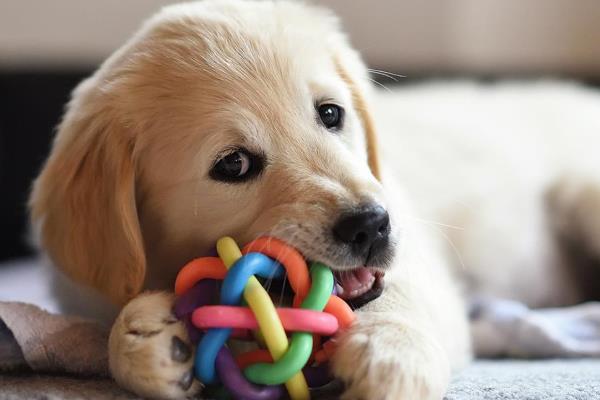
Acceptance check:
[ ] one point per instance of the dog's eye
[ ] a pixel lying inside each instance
(331, 115)
(237, 166)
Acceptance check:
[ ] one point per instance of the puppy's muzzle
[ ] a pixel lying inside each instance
(365, 230)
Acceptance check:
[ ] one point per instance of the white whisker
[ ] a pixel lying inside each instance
(387, 74)
(380, 84)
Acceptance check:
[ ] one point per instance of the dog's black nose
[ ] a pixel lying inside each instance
(363, 228)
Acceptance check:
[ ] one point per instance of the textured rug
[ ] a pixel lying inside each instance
(483, 380)
(577, 379)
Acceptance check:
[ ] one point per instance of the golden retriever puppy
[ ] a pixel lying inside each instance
(256, 118)
(242, 119)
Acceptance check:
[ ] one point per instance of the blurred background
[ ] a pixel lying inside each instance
(46, 47)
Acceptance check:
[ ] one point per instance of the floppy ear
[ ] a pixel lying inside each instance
(360, 105)
(84, 201)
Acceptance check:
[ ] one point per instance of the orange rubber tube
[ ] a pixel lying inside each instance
(290, 258)
(198, 269)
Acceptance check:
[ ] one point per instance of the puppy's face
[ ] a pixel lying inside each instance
(245, 127)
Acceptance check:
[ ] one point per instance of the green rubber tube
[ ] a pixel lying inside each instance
(297, 355)
(321, 288)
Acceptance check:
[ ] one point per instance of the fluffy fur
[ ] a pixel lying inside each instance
(502, 184)
(125, 198)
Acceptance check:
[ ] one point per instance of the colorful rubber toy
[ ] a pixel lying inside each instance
(246, 311)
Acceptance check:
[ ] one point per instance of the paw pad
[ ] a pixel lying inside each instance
(180, 351)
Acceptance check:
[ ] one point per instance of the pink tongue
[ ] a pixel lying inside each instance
(355, 279)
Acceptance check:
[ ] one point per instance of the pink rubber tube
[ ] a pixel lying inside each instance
(293, 319)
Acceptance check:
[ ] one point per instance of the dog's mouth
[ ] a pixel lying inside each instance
(359, 286)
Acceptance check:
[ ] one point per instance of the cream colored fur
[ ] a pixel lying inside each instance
(125, 198)
(501, 169)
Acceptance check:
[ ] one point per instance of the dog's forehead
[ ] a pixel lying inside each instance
(259, 49)
(273, 82)
(244, 76)
(269, 66)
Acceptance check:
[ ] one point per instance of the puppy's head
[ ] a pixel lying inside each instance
(218, 118)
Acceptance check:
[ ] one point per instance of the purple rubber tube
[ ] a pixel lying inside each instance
(317, 376)
(238, 385)
(201, 294)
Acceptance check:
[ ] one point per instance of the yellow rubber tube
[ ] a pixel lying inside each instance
(259, 301)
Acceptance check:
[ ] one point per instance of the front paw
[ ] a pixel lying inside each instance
(380, 359)
(149, 350)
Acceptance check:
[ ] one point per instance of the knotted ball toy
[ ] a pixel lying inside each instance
(246, 311)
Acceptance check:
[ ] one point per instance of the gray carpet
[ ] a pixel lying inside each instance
(57, 388)
(484, 380)
(528, 380)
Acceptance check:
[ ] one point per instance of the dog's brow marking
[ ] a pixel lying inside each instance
(360, 105)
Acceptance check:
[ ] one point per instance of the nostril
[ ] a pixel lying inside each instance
(360, 238)
(362, 227)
